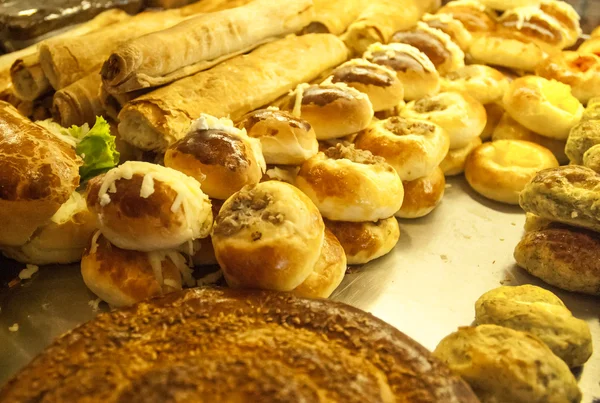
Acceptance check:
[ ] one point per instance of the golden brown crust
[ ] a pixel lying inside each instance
(486, 84)
(454, 163)
(451, 27)
(422, 195)
(494, 113)
(473, 17)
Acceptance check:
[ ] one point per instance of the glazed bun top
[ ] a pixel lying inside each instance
(399, 57)
(475, 16)
(536, 25)
(360, 71)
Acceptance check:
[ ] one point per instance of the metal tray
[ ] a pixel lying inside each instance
(426, 287)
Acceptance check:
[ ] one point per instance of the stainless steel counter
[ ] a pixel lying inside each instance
(426, 287)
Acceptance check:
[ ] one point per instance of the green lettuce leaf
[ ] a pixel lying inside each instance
(96, 147)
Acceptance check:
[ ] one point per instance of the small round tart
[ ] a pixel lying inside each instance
(494, 113)
(348, 184)
(422, 195)
(567, 17)
(365, 241)
(579, 70)
(333, 110)
(413, 68)
(454, 163)
(413, 147)
(503, 5)
(486, 84)
(284, 138)
(535, 25)
(459, 114)
(475, 16)
(445, 55)
(500, 170)
(546, 107)
(451, 27)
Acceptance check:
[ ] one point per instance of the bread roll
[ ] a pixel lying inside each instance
(451, 27)
(459, 114)
(536, 26)
(218, 155)
(494, 113)
(39, 173)
(536, 223)
(413, 68)
(124, 277)
(79, 103)
(413, 147)
(475, 16)
(567, 194)
(592, 110)
(486, 84)
(328, 272)
(454, 162)
(145, 207)
(379, 83)
(504, 5)
(591, 45)
(348, 184)
(500, 170)
(567, 17)
(365, 241)
(28, 78)
(537, 311)
(422, 196)
(204, 252)
(333, 110)
(591, 158)
(582, 137)
(445, 55)
(505, 365)
(334, 16)
(268, 236)
(543, 106)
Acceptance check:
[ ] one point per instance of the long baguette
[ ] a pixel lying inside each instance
(233, 88)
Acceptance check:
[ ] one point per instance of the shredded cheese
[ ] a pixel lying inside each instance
(94, 243)
(147, 187)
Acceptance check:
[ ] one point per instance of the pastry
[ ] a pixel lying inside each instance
(567, 17)
(486, 84)
(334, 16)
(591, 158)
(79, 102)
(422, 195)
(537, 26)
(454, 162)
(582, 137)
(504, 5)
(452, 27)
(494, 113)
(475, 16)
(591, 45)
(592, 110)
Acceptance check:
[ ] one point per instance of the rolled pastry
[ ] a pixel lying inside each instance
(113, 103)
(79, 102)
(334, 16)
(234, 88)
(199, 43)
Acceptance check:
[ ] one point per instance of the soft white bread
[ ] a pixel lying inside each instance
(143, 206)
(475, 17)
(546, 107)
(454, 163)
(378, 82)
(413, 147)
(566, 16)
(494, 113)
(328, 272)
(365, 241)
(445, 55)
(500, 170)
(458, 113)
(348, 184)
(422, 195)
(504, 5)
(124, 277)
(579, 70)
(268, 236)
(62, 240)
(451, 27)
(218, 155)
(285, 139)
(413, 68)
(486, 84)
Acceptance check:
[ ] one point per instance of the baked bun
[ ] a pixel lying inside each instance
(454, 162)
(566, 16)
(348, 184)
(568, 194)
(475, 17)
(445, 55)
(379, 83)
(365, 241)
(486, 84)
(333, 110)
(328, 272)
(510, 129)
(501, 169)
(582, 137)
(494, 113)
(203, 251)
(591, 158)
(284, 138)
(595, 32)
(537, 311)
(591, 45)
(143, 206)
(413, 147)
(567, 258)
(124, 277)
(268, 236)
(536, 223)
(422, 196)
(39, 173)
(592, 110)
(459, 114)
(413, 68)
(218, 155)
(451, 27)
(543, 106)
(506, 365)
(536, 26)
(503, 5)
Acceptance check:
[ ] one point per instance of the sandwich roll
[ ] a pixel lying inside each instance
(333, 110)
(79, 102)
(454, 162)
(145, 207)
(486, 84)
(458, 113)
(546, 107)
(452, 27)
(268, 236)
(475, 17)
(348, 184)
(379, 83)
(39, 174)
(414, 148)
(422, 196)
(566, 16)
(494, 113)
(221, 157)
(124, 277)
(365, 241)
(413, 68)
